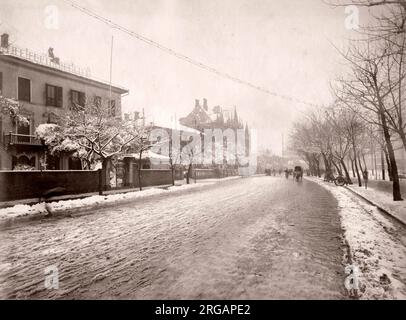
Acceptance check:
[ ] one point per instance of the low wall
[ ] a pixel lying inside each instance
(15, 185)
(213, 173)
(179, 174)
(206, 174)
(152, 177)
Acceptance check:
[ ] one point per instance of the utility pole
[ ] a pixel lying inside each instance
(111, 71)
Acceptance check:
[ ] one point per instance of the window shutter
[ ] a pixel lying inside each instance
(24, 89)
(59, 97)
(73, 99)
(113, 108)
(82, 99)
(1, 83)
(47, 102)
(97, 101)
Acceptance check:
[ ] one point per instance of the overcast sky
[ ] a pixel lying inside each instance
(281, 45)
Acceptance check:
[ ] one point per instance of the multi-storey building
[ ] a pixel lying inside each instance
(44, 87)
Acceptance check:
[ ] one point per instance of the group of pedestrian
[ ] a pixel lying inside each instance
(273, 172)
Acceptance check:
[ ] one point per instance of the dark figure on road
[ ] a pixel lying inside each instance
(298, 173)
(47, 195)
(365, 177)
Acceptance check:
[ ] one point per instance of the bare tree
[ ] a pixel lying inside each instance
(367, 91)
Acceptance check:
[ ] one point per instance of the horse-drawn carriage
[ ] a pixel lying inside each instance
(298, 173)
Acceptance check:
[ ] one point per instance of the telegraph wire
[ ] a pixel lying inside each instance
(183, 57)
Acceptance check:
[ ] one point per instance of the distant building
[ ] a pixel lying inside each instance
(44, 86)
(202, 117)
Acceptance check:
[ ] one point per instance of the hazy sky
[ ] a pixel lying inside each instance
(281, 45)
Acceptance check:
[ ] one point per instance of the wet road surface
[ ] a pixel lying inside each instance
(250, 238)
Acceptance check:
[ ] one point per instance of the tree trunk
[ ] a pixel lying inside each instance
(171, 161)
(383, 165)
(105, 174)
(337, 167)
(139, 171)
(347, 175)
(352, 168)
(375, 166)
(356, 166)
(189, 171)
(173, 175)
(403, 138)
(365, 163)
(359, 163)
(326, 165)
(397, 196)
(389, 165)
(317, 166)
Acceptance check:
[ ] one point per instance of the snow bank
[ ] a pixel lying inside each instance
(376, 245)
(22, 210)
(383, 200)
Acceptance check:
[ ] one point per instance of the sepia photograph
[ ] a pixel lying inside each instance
(202, 155)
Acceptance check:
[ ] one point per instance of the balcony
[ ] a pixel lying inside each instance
(21, 139)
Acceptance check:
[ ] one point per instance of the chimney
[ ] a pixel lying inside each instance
(4, 40)
(197, 103)
(205, 106)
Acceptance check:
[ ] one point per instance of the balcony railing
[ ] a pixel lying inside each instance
(21, 139)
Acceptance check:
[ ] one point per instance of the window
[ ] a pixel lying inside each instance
(97, 101)
(78, 98)
(24, 130)
(53, 96)
(24, 89)
(1, 83)
(112, 108)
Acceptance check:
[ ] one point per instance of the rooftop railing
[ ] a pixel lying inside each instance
(44, 60)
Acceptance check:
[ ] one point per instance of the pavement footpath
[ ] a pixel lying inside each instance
(379, 194)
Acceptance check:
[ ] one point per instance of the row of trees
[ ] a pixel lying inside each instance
(369, 102)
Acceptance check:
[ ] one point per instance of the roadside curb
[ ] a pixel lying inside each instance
(387, 212)
(371, 202)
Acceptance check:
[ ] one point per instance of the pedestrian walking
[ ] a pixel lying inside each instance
(47, 195)
(365, 176)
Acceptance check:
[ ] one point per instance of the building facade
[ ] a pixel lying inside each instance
(202, 117)
(44, 88)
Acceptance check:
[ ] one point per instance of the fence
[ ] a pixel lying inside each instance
(213, 173)
(15, 185)
(152, 177)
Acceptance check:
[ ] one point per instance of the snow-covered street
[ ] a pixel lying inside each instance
(258, 237)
